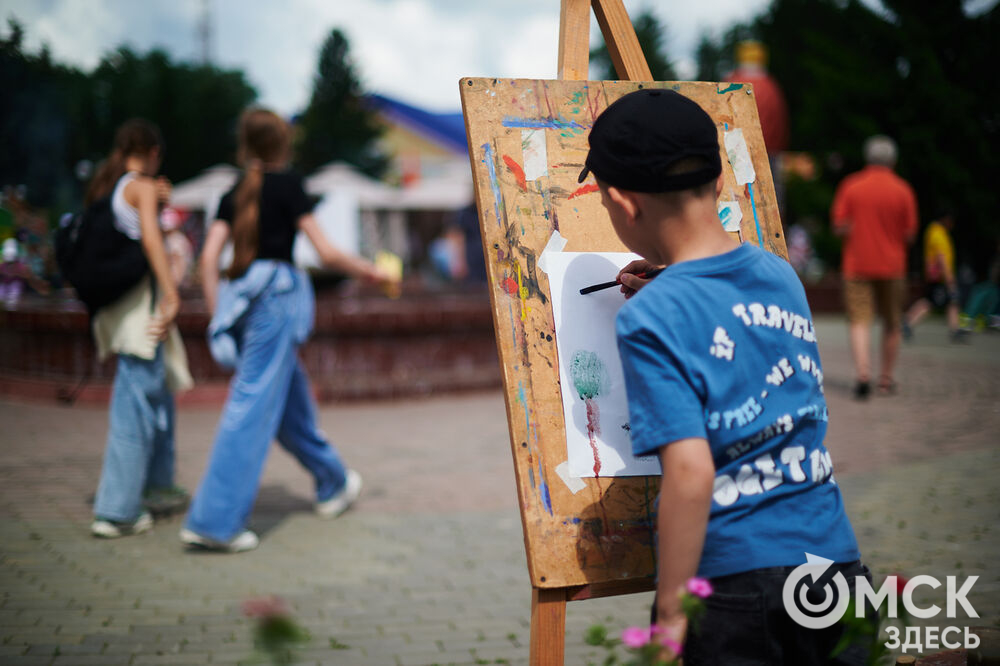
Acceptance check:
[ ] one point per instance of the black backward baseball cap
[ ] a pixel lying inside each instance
(638, 138)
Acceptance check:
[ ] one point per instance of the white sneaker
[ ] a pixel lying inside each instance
(244, 541)
(110, 529)
(340, 502)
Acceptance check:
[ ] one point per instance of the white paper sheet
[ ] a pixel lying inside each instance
(739, 157)
(730, 214)
(593, 385)
(535, 160)
(555, 245)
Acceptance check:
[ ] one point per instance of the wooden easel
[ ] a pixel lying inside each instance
(584, 537)
(548, 605)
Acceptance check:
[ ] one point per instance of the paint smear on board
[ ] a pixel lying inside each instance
(522, 293)
(542, 123)
(586, 189)
(535, 154)
(546, 194)
(516, 169)
(731, 86)
(739, 157)
(756, 220)
(590, 379)
(523, 399)
(494, 183)
(544, 489)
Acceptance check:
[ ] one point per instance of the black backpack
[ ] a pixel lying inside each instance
(96, 258)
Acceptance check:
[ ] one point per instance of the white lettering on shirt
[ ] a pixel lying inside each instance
(780, 372)
(724, 347)
(773, 316)
(765, 474)
(782, 426)
(743, 414)
(809, 365)
(793, 457)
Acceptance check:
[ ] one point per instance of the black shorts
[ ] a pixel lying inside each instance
(939, 296)
(745, 624)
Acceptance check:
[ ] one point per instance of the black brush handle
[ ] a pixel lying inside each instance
(648, 275)
(597, 287)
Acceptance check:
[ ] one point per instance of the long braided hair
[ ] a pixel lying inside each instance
(264, 140)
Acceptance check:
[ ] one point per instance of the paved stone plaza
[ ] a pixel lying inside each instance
(429, 568)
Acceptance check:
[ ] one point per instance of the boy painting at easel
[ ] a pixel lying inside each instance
(724, 384)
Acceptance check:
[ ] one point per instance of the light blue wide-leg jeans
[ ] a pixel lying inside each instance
(269, 397)
(140, 445)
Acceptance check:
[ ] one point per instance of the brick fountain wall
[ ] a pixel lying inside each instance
(363, 346)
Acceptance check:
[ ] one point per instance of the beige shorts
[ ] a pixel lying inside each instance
(862, 297)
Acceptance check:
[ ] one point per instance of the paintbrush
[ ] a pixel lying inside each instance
(648, 275)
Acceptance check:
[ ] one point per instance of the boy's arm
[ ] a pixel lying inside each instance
(685, 500)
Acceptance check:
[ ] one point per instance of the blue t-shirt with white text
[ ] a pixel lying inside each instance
(723, 348)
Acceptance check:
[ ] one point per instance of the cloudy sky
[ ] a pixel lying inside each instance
(413, 50)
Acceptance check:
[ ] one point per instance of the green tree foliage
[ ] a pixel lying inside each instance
(337, 125)
(37, 136)
(716, 57)
(652, 38)
(196, 106)
(916, 71)
(53, 116)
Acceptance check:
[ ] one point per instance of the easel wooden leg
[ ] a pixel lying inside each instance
(548, 627)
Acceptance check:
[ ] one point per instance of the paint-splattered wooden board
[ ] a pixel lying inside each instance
(527, 143)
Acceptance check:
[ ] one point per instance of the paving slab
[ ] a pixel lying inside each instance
(429, 567)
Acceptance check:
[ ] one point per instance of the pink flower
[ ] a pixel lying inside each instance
(636, 637)
(265, 607)
(699, 587)
(672, 645)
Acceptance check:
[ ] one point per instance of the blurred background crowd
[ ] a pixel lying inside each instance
(394, 176)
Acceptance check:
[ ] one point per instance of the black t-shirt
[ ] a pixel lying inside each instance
(283, 200)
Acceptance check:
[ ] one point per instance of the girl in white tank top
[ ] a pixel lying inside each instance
(126, 215)
(138, 469)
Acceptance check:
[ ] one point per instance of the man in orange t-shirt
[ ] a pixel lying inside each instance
(875, 211)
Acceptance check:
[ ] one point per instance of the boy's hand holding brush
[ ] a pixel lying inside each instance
(631, 278)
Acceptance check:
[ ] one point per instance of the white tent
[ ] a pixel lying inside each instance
(450, 188)
(371, 194)
(357, 213)
(380, 217)
(202, 193)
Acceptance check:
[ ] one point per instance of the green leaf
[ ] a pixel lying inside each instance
(596, 635)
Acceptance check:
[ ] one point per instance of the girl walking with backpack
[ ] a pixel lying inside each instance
(261, 314)
(138, 465)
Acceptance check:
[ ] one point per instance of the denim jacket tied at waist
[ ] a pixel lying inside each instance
(235, 298)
